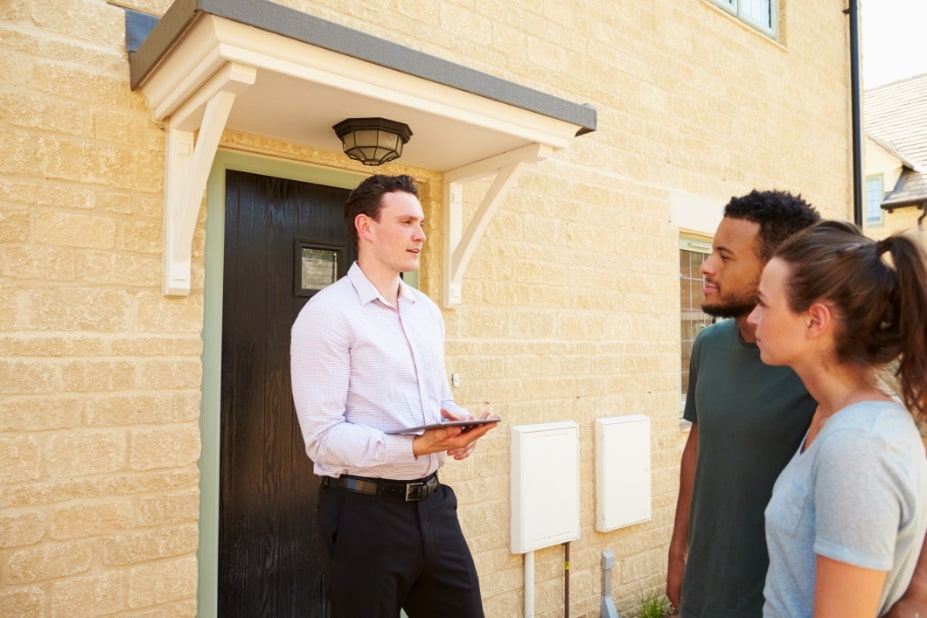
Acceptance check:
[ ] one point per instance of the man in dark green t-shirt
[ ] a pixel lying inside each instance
(747, 421)
(746, 435)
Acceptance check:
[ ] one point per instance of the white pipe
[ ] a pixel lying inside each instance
(529, 584)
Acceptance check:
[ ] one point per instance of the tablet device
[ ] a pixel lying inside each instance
(466, 424)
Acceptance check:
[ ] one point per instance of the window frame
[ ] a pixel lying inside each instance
(737, 9)
(690, 313)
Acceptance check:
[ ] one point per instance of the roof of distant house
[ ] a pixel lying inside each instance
(895, 115)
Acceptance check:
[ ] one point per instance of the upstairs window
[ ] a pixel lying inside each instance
(761, 14)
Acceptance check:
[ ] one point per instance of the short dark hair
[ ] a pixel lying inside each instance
(778, 213)
(365, 198)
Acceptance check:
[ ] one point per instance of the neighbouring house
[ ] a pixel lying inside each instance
(170, 194)
(895, 118)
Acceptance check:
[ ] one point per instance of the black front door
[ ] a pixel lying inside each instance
(283, 239)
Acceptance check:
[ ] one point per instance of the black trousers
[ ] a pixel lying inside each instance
(384, 554)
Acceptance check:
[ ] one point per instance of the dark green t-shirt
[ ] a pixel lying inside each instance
(751, 419)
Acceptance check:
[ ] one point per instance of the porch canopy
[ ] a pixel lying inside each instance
(260, 68)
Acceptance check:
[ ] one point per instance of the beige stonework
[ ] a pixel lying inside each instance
(570, 304)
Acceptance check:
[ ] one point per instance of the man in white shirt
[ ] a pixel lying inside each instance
(367, 361)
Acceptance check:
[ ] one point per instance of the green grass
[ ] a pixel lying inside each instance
(654, 605)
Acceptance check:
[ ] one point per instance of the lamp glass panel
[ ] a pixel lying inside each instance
(388, 140)
(365, 137)
(367, 152)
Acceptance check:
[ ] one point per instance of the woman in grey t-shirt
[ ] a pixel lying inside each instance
(847, 518)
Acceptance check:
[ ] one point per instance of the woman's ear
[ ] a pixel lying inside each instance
(820, 320)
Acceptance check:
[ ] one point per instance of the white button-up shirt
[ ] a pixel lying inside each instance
(361, 367)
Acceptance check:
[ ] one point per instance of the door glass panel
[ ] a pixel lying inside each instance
(318, 268)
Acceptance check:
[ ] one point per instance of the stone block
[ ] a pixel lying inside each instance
(167, 509)
(141, 408)
(75, 230)
(160, 314)
(89, 596)
(127, 270)
(98, 375)
(27, 376)
(91, 518)
(78, 453)
(19, 528)
(30, 262)
(164, 447)
(75, 309)
(24, 602)
(161, 582)
(149, 545)
(14, 225)
(21, 457)
(169, 373)
(49, 562)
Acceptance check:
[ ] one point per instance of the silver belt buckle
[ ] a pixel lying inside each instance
(415, 491)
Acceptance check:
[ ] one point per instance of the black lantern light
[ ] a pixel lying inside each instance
(372, 141)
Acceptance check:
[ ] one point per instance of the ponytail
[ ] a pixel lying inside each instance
(911, 271)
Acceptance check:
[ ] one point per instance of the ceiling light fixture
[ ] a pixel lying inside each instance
(372, 141)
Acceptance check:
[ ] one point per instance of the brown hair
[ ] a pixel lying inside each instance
(881, 305)
(365, 198)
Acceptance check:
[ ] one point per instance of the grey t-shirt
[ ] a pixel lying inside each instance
(858, 495)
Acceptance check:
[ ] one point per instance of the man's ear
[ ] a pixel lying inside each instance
(362, 225)
(820, 320)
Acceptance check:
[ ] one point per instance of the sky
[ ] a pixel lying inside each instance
(891, 31)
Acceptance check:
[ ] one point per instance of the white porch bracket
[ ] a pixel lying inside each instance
(460, 244)
(193, 137)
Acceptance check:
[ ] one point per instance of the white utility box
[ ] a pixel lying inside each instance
(622, 471)
(545, 485)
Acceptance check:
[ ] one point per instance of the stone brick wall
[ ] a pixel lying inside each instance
(570, 304)
(99, 373)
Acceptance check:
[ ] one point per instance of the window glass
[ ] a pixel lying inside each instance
(758, 12)
(692, 253)
(874, 196)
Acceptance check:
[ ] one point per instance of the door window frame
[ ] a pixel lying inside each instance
(300, 264)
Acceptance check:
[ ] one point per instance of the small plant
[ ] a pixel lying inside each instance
(654, 605)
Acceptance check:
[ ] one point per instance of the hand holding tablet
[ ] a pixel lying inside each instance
(467, 425)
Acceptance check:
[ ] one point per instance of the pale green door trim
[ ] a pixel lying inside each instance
(208, 552)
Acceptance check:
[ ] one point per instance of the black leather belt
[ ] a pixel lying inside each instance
(410, 491)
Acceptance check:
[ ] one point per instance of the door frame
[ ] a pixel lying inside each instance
(210, 389)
